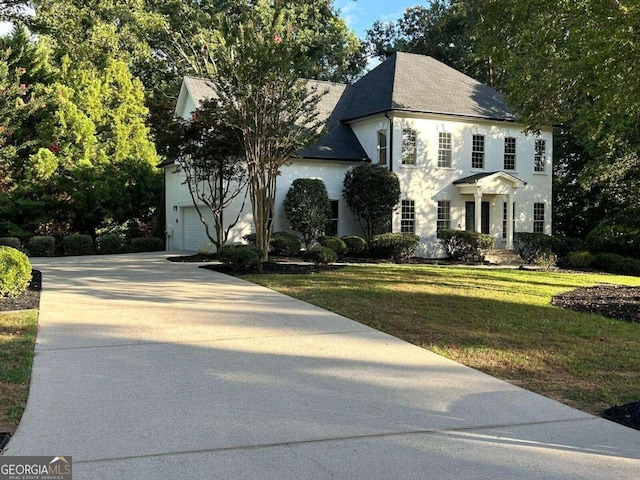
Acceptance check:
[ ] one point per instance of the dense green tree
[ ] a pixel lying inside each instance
(372, 193)
(211, 158)
(575, 63)
(308, 208)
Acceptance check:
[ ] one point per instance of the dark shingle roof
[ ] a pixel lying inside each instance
(417, 83)
(471, 179)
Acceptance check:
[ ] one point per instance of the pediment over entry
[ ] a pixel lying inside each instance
(489, 183)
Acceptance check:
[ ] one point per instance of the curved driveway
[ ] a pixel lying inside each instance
(148, 369)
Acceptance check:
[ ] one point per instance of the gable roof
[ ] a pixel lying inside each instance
(478, 177)
(417, 83)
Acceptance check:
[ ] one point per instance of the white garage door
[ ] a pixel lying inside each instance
(194, 234)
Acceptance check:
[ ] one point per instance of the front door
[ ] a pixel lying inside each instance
(470, 217)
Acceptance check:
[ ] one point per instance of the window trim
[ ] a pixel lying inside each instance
(445, 150)
(443, 215)
(475, 151)
(334, 221)
(382, 157)
(540, 156)
(408, 216)
(504, 219)
(539, 211)
(510, 153)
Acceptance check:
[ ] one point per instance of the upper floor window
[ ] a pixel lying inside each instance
(444, 150)
(409, 156)
(382, 147)
(477, 152)
(540, 156)
(509, 153)
(444, 215)
(408, 218)
(538, 218)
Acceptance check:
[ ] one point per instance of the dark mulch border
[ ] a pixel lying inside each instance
(612, 301)
(627, 415)
(29, 300)
(275, 267)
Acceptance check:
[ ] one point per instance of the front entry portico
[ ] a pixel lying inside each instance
(488, 184)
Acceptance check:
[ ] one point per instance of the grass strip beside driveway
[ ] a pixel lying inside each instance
(17, 340)
(498, 321)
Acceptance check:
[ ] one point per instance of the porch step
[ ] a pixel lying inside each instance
(502, 257)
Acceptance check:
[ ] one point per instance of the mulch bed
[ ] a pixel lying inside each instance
(613, 301)
(276, 267)
(628, 415)
(29, 300)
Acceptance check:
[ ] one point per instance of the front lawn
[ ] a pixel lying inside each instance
(498, 321)
(17, 338)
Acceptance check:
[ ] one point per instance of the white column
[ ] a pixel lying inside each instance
(478, 198)
(509, 244)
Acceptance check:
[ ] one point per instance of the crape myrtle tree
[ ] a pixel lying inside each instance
(212, 160)
(372, 193)
(254, 65)
(308, 208)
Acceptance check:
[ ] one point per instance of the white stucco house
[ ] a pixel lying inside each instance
(463, 160)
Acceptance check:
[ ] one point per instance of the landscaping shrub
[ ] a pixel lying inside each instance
(398, 247)
(334, 243)
(44, 246)
(613, 263)
(251, 239)
(579, 259)
(531, 246)
(465, 245)
(355, 245)
(110, 244)
(285, 244)
(562, 246)
(147, 244)
(240, 257)
(320, 255)
(13, 242)
(15, 272)
(308, 208)
(618, 239)
(77, 244)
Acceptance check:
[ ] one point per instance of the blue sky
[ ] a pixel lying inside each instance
(360, 14)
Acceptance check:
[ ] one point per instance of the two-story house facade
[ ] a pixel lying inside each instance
(462, 159)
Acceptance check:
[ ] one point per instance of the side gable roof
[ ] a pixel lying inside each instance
(417, 83)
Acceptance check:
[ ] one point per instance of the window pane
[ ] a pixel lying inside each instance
(332, 228)
(408, 147)
(408, 218)
(538, 218)
(444, 215)
(477, 152)
(509, 153)
(444, 150)
(540, 156)
(382, 148)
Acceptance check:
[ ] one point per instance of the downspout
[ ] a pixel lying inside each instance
(390, 141)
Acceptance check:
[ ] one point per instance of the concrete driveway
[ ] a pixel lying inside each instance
(147, 369)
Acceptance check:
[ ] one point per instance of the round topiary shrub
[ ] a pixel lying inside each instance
(334, 243)
(44, 246)
(580, 259)
(285, 244)
(110, 244)
(15, 272)
(355, 245)
(77, 244)
(147, 244)
(13, 242)
(398, 247)
(240, 257)
(320, 255)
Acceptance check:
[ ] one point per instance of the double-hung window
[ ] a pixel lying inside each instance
(538, 218)
(510, 153)
(409, 154)
(504, 219)
(444, 215)
(382, 147)
(444, 150)
(477, 152)
(408, 218)
(540, 156)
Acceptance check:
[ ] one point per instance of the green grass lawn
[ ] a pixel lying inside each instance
(498, 321)
(17, 339)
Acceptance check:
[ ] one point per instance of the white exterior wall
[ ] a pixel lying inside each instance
(426, 183)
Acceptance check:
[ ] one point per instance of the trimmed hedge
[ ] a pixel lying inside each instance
(613, 263)
(15, 272)
(13, 242)
(285, 244)
(580, 259)
(355, 245)
(398, 247)
(530, 246)
(617, 239)
(110, 244)
(334, 243)
(241, 257)
(320, 255)
(147, 244)
(465, 245)
(77, 244)
(44, 246)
